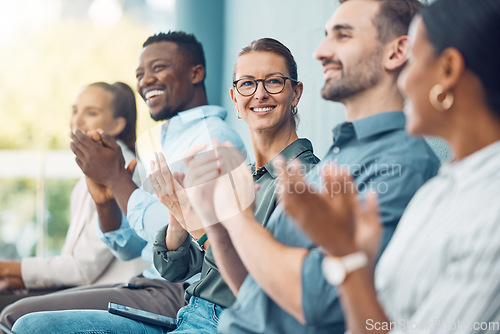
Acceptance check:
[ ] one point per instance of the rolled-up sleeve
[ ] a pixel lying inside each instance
(124, 243)
(320, 300)
(146, 214)
(178, 265)
(395, 184)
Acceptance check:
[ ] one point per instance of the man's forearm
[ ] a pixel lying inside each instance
(229, 263)
(122, 188)
(277, 268)
(110, 216)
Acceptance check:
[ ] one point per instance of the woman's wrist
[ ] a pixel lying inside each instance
(174, 237)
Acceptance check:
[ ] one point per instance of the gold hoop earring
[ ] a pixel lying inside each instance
(238, 114)
(434, 95)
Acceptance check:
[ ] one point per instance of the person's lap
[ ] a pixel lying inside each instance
(155, 296)
(81, 321)
(9, 297)
(199, 316)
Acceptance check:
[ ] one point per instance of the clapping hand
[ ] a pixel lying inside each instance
(333, 216)
(100, 193)
(219, 183)
(169, 188)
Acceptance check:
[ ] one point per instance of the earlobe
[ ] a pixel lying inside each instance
(232, 93)
(299, 88)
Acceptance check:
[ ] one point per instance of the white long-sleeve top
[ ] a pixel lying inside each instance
(84, 258)
(441, 271)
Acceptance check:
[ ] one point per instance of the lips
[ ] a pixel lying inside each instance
(330, 71)
(152, 96)
(262, 109)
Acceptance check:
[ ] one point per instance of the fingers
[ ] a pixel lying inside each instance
(192, 151)
(80, 139)
(108, 141)
(204, 167)
(279, 165)
(337, 182)
(81, 143)
(163, 166)
(229, 157)
(76, 150)
(95, 135)
(179, 177)
(369, 211)
(290, 179)
(163, 175)
(131, 166)
(157, 181)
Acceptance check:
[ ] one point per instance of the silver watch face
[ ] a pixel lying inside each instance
(333, 270)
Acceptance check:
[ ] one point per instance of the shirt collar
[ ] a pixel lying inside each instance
(187, 116)
(379, 123)
(290, 152)
(476, 165)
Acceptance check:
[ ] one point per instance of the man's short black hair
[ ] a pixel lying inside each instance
(188, 45)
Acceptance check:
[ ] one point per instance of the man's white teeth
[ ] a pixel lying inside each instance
(263, 109)
(152, 93)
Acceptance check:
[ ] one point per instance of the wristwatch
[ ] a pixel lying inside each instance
(336, 269)
(201, 241)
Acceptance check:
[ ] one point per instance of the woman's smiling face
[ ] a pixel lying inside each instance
(262, 110)
(92, 110)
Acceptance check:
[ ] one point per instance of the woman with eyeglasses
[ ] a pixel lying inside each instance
(265, 93)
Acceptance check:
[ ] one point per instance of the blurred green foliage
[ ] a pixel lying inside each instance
(18, 214)
(57, 200)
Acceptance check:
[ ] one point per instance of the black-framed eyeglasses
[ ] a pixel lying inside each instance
(272, 85)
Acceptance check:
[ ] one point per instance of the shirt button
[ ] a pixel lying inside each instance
(336, 150)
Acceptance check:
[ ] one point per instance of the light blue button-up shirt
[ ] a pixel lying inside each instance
(381, 156)
(145, 213)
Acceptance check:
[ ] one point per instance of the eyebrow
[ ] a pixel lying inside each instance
(338, 27)
(267, 75)
(152, 61)
(74, 106)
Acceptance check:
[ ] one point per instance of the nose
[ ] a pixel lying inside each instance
(76, 120)
(324, 50)
(261, 93)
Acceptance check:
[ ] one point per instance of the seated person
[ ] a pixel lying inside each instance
(177, 256)
(270, 111)
(285, 291)
(440, 272)
(84, 258)
(170, 79)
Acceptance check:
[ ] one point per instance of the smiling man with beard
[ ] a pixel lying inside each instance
(170, 78)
